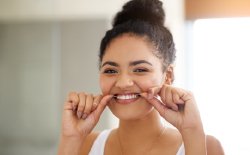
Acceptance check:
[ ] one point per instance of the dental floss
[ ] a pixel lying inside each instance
(115, 96)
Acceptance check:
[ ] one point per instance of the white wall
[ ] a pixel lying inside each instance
(16, 10)
(29, 106)
(57, 9)
(73, 9)
(40, 62)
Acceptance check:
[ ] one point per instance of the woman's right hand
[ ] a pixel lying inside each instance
(81, 113)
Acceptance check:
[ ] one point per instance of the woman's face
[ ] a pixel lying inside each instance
(128, 68)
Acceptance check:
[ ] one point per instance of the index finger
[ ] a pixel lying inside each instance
(104, 101)
(153, 91)
(97, 100)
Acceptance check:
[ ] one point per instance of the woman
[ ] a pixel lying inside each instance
(136, 73)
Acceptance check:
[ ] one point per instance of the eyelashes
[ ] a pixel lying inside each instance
(137, 70)
(140, 70)
(110, 71)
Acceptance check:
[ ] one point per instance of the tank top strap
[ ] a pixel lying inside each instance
(181, 150)
(99, 144)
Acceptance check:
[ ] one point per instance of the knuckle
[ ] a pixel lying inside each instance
(175, 99)
(71, 95)
(82, 94)
(88, 96)
(82, 97)
(74, 97)
(80, 107)
(190, 93)
(95, 99)
(88, 108)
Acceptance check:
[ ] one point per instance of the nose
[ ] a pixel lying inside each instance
(124, 81)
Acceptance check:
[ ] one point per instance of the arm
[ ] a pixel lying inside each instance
(82, 146)
(70, 146)
(194, 142)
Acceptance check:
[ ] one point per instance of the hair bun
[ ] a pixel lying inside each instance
(145, 10)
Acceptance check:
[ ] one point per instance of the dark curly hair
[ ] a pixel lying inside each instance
(143, 18)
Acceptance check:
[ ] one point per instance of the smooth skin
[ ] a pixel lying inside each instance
(129, 66)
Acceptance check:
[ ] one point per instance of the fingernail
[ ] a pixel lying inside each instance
(95, 104)
(79, 114)
(84, 116)
(175, 108)
(74, 107)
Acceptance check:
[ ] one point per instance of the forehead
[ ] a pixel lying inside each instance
(129, 47)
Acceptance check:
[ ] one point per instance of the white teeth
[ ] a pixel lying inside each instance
(127, 97)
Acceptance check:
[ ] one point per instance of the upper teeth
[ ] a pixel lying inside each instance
(126, 97)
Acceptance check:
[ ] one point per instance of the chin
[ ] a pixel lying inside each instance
(131, 112)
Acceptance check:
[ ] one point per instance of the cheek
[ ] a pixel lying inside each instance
(149, 82)
(105, 84)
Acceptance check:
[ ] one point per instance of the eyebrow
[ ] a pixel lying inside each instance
(133, 63)
(111, 63)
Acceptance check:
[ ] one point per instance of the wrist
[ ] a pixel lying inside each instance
(194, 134)
(194, 141)
(192, 130)
(70, 145)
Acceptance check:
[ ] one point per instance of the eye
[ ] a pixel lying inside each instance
(110, 71)
(140, 70)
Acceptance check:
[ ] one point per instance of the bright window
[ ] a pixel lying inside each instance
(221, 80)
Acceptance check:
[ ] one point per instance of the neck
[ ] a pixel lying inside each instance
(140, 131)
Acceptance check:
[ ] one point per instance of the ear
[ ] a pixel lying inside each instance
(169, 75)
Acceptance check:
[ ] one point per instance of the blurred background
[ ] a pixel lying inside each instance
(50, 47)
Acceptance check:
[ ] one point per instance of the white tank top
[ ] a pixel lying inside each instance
(99, 144)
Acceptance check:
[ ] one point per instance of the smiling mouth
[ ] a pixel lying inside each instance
(126, 96)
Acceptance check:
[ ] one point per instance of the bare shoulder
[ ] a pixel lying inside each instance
(214, 146)
(86, 147)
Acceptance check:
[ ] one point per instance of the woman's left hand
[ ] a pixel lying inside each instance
(175, 105)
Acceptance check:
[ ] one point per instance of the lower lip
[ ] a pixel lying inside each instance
(127, 101)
